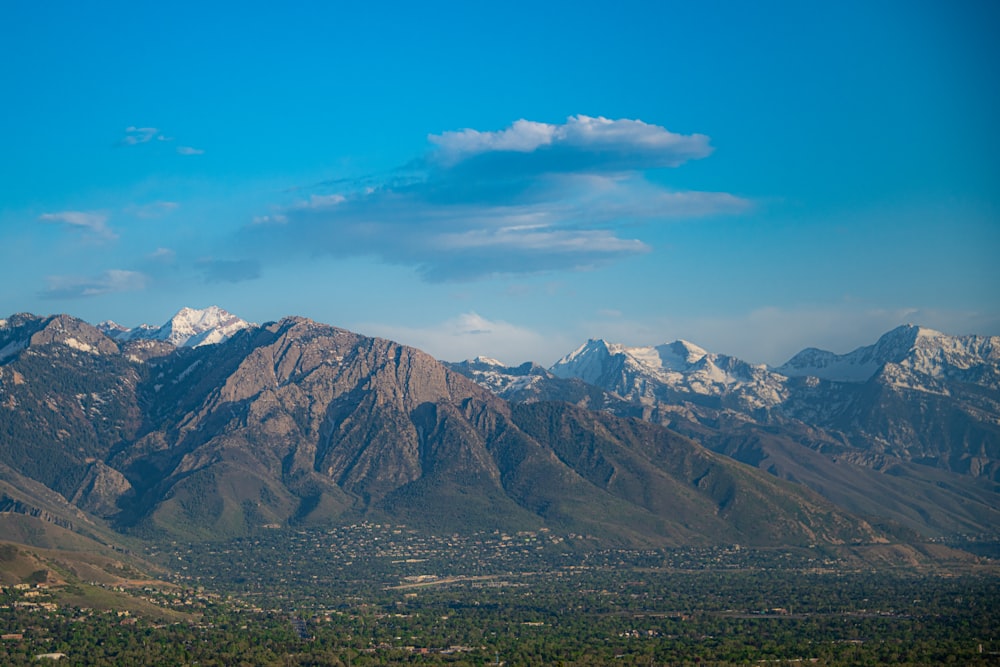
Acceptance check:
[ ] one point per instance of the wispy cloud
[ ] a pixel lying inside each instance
(162, 255)
(274, 219)
(154, 209)
(533, 197)
(92, 222)
(77, 287)
(141, 135)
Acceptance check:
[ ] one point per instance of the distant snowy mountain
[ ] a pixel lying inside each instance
(188, 328)
(915, 395)
(909, 356)
(500, 379)
(663, 372)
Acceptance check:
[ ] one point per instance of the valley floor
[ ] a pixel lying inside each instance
(380, 595)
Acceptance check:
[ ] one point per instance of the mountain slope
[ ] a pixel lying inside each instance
(654, 468)
(68, 394)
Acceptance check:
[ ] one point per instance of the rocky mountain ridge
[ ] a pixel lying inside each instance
(300, 423)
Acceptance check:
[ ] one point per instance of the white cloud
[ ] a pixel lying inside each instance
(598, 143)
(93, 222)
(523, 136)
(188, 150)
(470, 335)
(75, 287)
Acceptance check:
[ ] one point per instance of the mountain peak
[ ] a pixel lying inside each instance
(684, 350)
(189, 327)
(911, 336)
(586, 362)
(487, 361)
(919, 349)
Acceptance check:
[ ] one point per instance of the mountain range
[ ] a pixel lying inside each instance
(210, 426)
(906, 429)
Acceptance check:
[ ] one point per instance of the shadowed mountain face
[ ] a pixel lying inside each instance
(299, 423)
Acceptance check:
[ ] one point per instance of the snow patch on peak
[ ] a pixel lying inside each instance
(588, 361)
(857, 366)
(487, 361)
(591, 346)
(83, 346)
(109, 327)
(680, 354)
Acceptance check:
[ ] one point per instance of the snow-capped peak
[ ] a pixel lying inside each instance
(110, 327)
(645, 373)
(917, 349)
(487, 361)
(680, 354)
(587, 362)
(190, 327)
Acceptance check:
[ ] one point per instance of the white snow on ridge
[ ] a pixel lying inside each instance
(908, 358)
(188, 328)
(487, 361)
(829, 366)
(916, 349)
(80, 345)
(641, 373)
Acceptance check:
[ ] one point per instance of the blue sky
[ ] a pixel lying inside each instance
(508, 179)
